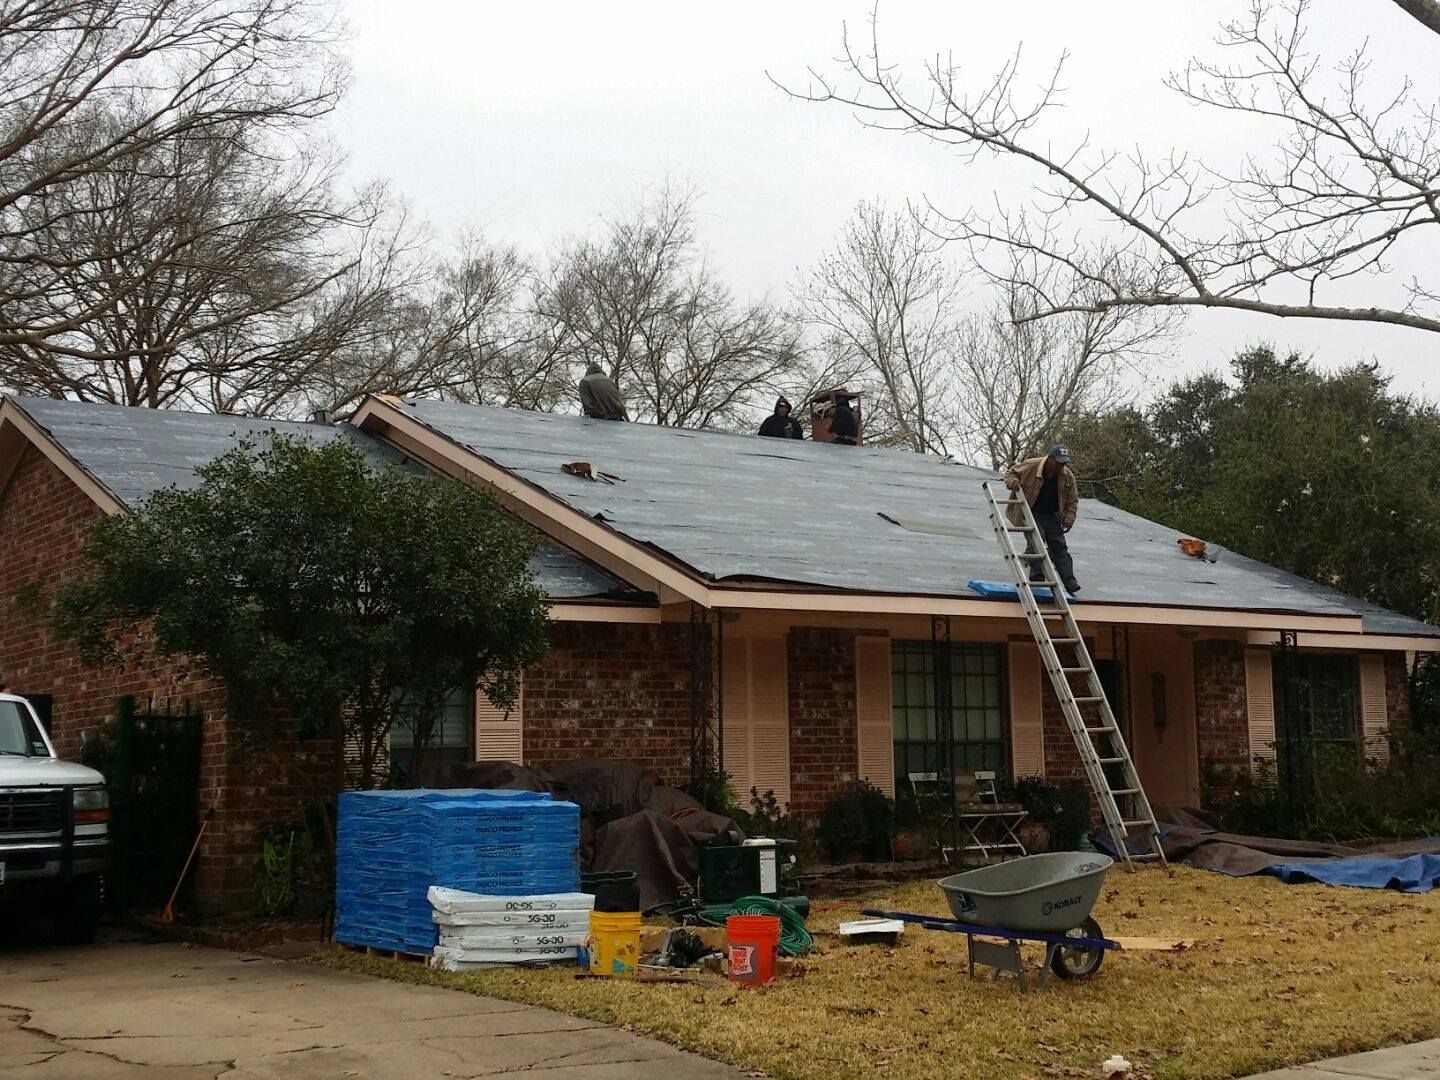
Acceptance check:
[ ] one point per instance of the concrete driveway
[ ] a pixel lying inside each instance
(164, 1011)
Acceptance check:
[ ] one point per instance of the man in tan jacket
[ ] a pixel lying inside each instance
(1054, 497)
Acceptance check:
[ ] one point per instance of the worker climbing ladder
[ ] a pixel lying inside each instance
(1123, 806)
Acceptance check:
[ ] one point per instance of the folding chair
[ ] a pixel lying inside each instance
(989, 824)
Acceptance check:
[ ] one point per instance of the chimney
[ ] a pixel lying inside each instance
(822, 405)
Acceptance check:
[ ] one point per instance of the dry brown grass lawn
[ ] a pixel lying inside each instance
(1279, 974)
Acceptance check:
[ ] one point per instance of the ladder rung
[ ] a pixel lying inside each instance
(1020, 528)
(1098, 730)
(1131, 824)
(1110, 760)
(1027, 555)
(1064, 641)
(1089, 699)
(1125, 791)
(1074, 671)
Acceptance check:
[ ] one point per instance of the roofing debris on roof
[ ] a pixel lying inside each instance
(136, 452)
(742, 509)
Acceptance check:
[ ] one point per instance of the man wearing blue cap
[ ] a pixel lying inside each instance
(1054, 497)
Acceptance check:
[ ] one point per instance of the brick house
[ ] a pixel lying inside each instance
(794, 604)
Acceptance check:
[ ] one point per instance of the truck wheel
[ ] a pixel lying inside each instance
(77, 915)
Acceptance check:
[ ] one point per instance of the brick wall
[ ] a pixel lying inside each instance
(1222, 718)
(824, 755)
(612, 690)
(1397, 691)
(1062, 756)
(43, 521)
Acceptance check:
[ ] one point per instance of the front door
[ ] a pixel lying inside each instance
(1162, 716)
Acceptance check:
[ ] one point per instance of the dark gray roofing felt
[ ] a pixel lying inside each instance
(735, 507)
(135, 452)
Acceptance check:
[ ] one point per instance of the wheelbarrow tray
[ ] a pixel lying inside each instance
(1051, 893)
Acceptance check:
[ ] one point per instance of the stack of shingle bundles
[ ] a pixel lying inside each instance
(393, 845)
(478, 931)
(381, 845)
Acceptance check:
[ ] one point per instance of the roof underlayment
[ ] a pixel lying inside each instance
(135, 452)
(745, 509)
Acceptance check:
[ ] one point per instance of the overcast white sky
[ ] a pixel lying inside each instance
(528, 120)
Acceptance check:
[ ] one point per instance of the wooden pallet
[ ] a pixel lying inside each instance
(387, 954)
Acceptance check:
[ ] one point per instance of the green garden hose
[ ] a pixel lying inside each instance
(795, 940)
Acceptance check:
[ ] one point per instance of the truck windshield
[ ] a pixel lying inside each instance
(18, 733)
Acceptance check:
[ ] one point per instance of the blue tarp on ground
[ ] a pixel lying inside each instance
(1411, 873)
(998, 590)
(1192, 838)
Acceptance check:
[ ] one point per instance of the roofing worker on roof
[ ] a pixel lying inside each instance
(843, 423)
(780, 424)
(1049, 486)
(599, 396)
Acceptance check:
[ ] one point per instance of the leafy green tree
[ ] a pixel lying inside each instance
(321, 587)
(1330, 476)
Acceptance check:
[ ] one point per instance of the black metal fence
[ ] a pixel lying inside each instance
(151, 760)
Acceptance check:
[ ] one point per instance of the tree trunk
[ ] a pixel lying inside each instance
(1425, 12)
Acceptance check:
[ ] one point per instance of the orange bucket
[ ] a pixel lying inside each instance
(754, 942)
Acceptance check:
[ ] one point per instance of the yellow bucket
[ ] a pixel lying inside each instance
(614, 942)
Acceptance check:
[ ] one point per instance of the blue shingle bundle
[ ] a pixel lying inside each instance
(393, 845)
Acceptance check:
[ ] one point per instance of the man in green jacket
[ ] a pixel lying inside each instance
(1050, 488)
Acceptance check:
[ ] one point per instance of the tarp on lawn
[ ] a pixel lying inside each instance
(1195, 838)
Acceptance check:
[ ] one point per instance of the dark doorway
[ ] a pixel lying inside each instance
(1111, 682)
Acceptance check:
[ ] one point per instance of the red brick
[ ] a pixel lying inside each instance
(43, 522)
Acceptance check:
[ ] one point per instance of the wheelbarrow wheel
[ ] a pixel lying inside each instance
(1078, 962)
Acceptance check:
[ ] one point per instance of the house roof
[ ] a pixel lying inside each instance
(741, 509)
(133, 453)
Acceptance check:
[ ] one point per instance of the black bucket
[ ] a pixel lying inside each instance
(614, 890)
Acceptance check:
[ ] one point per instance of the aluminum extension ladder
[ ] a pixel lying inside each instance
(1097, 735)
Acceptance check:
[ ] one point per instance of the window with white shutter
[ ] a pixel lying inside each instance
(874, 719)
(1260, 704)
(1374, 723)
(499, 734)
(756, 717)
(1027, 717)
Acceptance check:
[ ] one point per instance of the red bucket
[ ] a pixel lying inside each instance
(754, 942)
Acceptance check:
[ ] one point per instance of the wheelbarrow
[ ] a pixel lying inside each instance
(1043, 898)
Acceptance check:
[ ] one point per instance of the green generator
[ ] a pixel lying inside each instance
(757, 867)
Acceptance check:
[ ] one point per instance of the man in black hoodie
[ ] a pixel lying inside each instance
(844, 425)
(780, 424)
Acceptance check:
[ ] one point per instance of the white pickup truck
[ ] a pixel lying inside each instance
(54, 826)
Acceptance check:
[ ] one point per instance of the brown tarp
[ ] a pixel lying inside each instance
(1195, 838)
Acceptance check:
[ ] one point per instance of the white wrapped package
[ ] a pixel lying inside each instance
(454, 902)
(494, 938)
(501, 959)
(540, 954)
(515, 920)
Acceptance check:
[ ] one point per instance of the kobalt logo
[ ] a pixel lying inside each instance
(1050, 907)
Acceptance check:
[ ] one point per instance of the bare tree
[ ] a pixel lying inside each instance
(102, 88)
(641, 302)
(1023, 383)
(888, 301)
(459, 327)
(215, 326)
(1353, 177)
